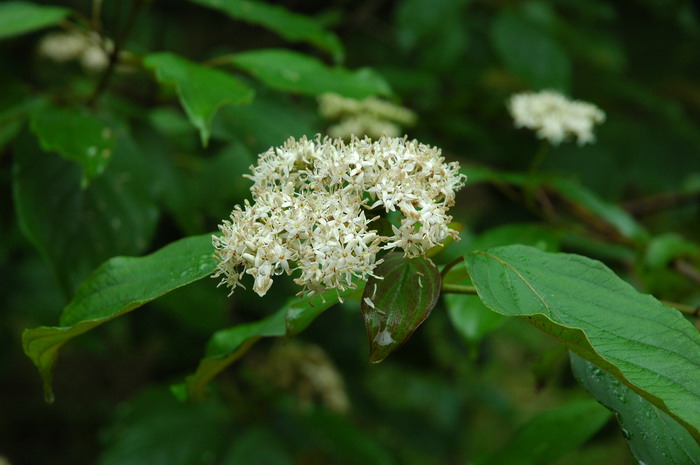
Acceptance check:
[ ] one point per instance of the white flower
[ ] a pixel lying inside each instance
(95, 57)
(369, 117)
(90, 49)
(334, 106)
(311, 211)
(307, 370)
(364, 124)
(63, 47)
(554, 117)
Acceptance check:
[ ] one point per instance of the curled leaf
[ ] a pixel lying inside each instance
(398, 301)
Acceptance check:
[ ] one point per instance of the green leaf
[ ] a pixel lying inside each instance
(8, 131)
(344, 438)
(651, 348)
(212, 314)
(78, 229)
(119, 286)
(471, 318)
(612, 214)
(531, 53)
(75, 135)
(298, 73)
(418, 22)
(257, 446)
(584, 199)
(664, 248)
(301, 313)
(156, 429)
(201, 90)
(603, 50)
(479, 174)
(18, 18)
(228, 345)
(592, 246)
(532, 234)
(173, 124)
(179, 181)
(437, 405)
(654, 437)
(17, 101)
(252, 125)
(293, 27)
(550, 435)
(216, 191)
(435, 31)
(397, 302)
(194, 188)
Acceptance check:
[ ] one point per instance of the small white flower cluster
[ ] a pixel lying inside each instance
(306, 370)
(311, 211)
(555, 117)
(369, 117)
(91, 50)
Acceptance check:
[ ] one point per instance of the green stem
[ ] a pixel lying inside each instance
(96, 20)
(685, 268)
(451, 265)
(448, 288)
(539, 157)
(530, 186)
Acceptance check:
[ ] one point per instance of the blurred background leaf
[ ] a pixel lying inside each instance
(581, 302)
(77, 229)
(289, 25)
(531, 53)
(653, 436)
(22, 17)
(120, 285)
(294, 72)
(201, 90)
(76, 136)
(550, 435)
(245, 76)
(154, 428)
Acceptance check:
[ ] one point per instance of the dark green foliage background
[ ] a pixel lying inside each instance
(463, 387)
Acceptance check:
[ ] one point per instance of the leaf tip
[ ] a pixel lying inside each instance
(49, 396)
(376, 356)
(179, 391)
(204, 136)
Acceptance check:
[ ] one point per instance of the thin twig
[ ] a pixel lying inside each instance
(448, 288)
(537, 160)
(118, 47)
(548, 211)
(687, 269)
(451, 265)
(531, 187)
(96, 20)
(659, 202)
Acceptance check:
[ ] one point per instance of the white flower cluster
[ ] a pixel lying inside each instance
(312, 211)
(369, 117)
(91, 50)
(555, 117)
(307, 370)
